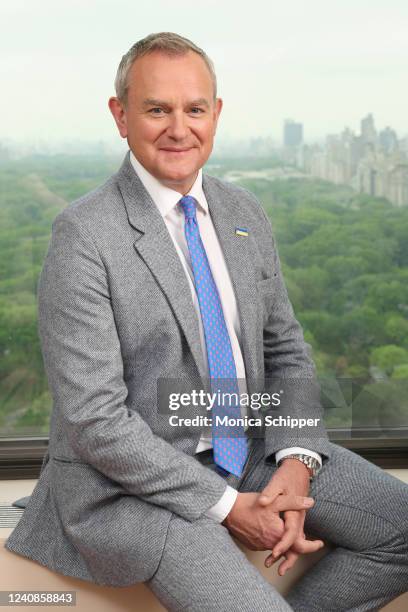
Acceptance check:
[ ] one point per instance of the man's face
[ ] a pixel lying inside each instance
(170, 116)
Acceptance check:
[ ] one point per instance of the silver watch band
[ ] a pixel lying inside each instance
(310, 462)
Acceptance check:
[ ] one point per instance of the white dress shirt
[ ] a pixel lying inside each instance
(166, 200)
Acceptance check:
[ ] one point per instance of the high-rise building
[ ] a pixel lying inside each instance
(368, 131)
(292, 133)
(388, 140)
(377, 165)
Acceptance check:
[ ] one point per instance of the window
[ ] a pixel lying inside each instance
(337, 197)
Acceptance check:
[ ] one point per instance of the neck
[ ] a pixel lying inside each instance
(182, 188)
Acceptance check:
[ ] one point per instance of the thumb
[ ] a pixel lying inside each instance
(269, 494)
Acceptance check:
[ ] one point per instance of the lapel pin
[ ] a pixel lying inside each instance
(241, 231)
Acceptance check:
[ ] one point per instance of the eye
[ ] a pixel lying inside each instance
(154, 110)
(196, 110)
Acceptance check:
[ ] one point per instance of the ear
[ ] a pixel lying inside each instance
(119, 114)
(217, 110)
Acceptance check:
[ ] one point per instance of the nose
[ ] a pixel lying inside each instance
(177, 128)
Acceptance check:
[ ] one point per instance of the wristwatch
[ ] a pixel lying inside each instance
(311, 463)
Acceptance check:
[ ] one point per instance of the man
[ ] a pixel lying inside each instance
(167, 273)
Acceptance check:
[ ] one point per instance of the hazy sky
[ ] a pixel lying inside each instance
(325, 63)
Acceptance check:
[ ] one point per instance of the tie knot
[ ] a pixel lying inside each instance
(188, 204)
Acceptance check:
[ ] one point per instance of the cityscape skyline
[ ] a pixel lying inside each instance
(265, 143)
(373, 161)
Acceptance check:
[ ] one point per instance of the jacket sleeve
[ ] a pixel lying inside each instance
(289, 366)
(83, 363)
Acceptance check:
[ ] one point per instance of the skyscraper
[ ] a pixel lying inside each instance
(388, 140)
(368, 131)
(292, 133)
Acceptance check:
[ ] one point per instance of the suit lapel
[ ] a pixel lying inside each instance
(155, 246)
(227, 214)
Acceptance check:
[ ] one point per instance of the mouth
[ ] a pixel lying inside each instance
(174, 151)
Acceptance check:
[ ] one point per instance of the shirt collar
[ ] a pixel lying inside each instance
(164, 197)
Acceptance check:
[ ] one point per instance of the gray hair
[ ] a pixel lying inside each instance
(167, 42)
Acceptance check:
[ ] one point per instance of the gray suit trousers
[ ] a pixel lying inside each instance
(360, 511)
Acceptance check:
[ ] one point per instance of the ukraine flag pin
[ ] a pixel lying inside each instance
(241, 231)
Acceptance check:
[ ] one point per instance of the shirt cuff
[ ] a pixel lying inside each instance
(295, 450)
(222, 508)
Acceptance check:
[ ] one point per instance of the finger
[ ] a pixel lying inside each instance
(269, 494)
(270, 561)
(290, 559)
(292, 502)
(292, 528)
(304, 546)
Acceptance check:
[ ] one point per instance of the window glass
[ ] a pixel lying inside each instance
(314, 123)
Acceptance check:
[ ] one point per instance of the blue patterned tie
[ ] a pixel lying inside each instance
(229, 440)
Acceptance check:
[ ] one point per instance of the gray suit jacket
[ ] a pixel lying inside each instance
(115, 315)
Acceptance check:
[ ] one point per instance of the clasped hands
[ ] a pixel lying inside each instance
(255, 517)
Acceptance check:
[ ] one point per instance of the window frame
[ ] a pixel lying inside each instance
(22, 458)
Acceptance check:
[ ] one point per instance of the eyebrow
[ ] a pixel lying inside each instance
(155, 102)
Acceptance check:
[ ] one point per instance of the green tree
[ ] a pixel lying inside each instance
(388, 357)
